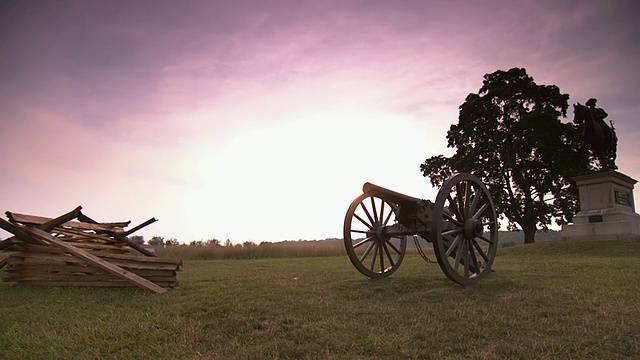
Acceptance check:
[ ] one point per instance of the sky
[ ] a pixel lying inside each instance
(260, 120)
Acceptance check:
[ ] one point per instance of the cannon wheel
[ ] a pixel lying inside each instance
(372, 252)
(465, 229)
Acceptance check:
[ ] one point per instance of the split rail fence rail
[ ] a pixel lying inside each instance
(75, 250)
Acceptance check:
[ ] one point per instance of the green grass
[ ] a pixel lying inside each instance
(554, 300)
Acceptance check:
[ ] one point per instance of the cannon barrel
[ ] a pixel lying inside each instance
(389, 195)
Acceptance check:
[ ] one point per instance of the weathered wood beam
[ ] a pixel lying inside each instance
(18, 232)
(138, 227)
(123, 284)
(7, 242)
(123, 237)
(51, 224)
(46, 259)
(39, 220)
(92, 259)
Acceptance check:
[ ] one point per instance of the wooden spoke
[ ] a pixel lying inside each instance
(374, 257)
(448, 217)
(479, 250)
(474, 203)
(369, 225)
(454, 245)
(366, 252)
(366, 211)
(375, 212)
(452, 232)
(358, 244)
(389, 244)
(483, 208)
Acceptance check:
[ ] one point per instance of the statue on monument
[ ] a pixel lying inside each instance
(597, 137)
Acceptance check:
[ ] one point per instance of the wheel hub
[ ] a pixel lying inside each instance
(472, 228)
(378, 234)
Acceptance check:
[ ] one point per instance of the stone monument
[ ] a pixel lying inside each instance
(607, 209)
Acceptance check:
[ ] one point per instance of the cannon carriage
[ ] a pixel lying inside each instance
(461, 225)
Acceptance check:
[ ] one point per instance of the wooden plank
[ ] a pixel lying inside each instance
(32, 248)
(87, 246)
(8, 242)
(18, 232)
(41, 259)
(97, 247)
(85, 219)
(61, 258)
(123, 237)
(103, 264)
(74, 277)
(40, 220)
(55, 269)
(142, 259)
(29, 250)
(133, 265)
(163, 273)
(122, 284)
(81, 270)
(140, 226)
(123, 259)
(84, 270)
(83, 235)
(61, 255)
(60, 277)
(70, 278)
(116, 224)
(27, 219)
(49, 225)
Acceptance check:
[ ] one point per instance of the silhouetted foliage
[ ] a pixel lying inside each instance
(172, 242)
(213, 242)
(510, 135)
(156, 240)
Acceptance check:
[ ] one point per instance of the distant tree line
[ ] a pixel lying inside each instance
(160, 241)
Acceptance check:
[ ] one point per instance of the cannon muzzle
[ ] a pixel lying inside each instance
(389, 195)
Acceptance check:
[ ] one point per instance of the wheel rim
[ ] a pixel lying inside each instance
(465, 228)
(370, 250)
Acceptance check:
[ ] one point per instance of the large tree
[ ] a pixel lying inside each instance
(511, 136)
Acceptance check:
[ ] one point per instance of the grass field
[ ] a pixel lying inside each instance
(554, 300)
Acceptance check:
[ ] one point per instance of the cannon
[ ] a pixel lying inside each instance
(461, 225)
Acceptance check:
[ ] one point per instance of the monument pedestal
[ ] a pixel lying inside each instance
(607, 209)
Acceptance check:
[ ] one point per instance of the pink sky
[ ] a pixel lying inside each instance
(260, 120)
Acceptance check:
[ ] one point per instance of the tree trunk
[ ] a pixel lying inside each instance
(529, 220)
(529, 229)
(529, 235)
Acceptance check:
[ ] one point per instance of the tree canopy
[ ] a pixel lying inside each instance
(510, 135)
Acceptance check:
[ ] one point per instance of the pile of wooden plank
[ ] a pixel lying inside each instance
(75, 250)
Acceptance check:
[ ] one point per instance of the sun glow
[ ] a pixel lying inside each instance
(297, 176)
